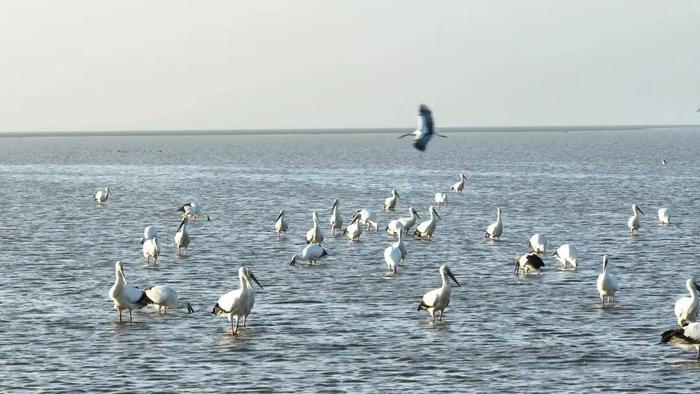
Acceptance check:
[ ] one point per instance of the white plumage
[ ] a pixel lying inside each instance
(426, 228)
(149, 232)
(459, 186)
(354, 229)
(311, 252)
(528, 263)
(633, 221)
(335, 220)
(686, 308)
(538, 243)
(425, 130)
(102, 195)
(664, 216)
(280, 224)
(686, 337)
(193, 210)
(403, 223)
(494, 230)
(182, 237)
(440, 199)
(124, 295)
(607, 285)
(151, 249)
(390, 202)
(238, 303)
(368, 219)
(166, 297)
(392, 256)
(567, 255)
(438, 299)
(314, 235)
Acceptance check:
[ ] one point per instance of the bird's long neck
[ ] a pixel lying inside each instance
(691, 289)
(445, 282)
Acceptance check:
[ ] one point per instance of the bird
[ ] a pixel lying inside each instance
(402, 247)
(686, 308)
(151, 249)
(438, 299)
(440, 199)
(459, 186)
(403, 223)
(149, 232)
(314, 235)
(182, 238)
(394, 227)
(664, 216)
(311, 252)
(390, 202)
(426, 228)
(335, 220)
(633, 221)
(126, 296)
(528, 263)
(102, 195)
(354, 229)
(281, 224)
(494, 230)
(238, 303)
(166, 297)
(567, 255)
(193, 210)
(686, 337)
(538, 243)
(425, 130)
(663, 160)
(392, 256)
(368, 219)
(607, 285)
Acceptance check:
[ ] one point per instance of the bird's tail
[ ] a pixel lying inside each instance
(218, 310)
(420, 145)
(667, 335)
(423, 305)
(144, 300)
(324, 253)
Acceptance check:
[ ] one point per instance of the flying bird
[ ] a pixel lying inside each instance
(425, 130)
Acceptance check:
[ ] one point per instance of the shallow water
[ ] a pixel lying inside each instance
(344, 325)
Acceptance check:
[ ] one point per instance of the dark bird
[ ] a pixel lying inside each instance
(425, 130)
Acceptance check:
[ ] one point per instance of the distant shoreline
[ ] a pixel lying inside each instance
(135, 133)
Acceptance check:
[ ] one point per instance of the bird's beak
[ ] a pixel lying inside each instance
(556, 254)
(335, 203)
(182, 223)
(279, 216)
(453, 278)
(640, 211)
(437, 214)
(397, 195)
(121, 269)
(697, 287)
(255, 279)
(517, 266)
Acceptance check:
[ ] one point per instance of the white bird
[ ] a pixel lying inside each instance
(459, 186)
(528, 263)
(390, 202)
(494, 230)
(193, 210)
(663, 160)
(311, 252)
(335, 220)
(314, 235)
(633, 222)
(402, 247)
(182, 238)
(426, 228)
(686, 308)
(538, 243)
(438, 299)
(102, 195)
(567, 255)
(425, 130)
(238, 303)
(354, 229)
(151, 249)
(403, 223)
(607, 285)
(281, 224)
(392, 256)
(686, 337)
(149, 232)
(664, 216)
(440, 199)
(368, 219)
(126, 296)
(166, 297)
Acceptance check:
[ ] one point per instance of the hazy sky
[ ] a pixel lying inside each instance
(168, 64)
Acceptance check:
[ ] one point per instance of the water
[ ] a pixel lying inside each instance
(343, 325)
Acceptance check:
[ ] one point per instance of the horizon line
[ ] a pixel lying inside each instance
(368, 130)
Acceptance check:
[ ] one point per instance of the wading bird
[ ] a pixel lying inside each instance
(664, 216)
(124, 295)
(281, 224)
(182, 237)
(166, 297)
(438, 299)
(633, 221)
(538, 243)
(238, 303)
(607, 285)
(426, 228)
(440, 199)
(528, 263)
(335, 220)
(314, 235)
(686, 337)
(459, 186)
(311, 252)
(494, 230)
(390, 202)
(686, 308)
(102, 195)
(193, 210)
(567, 255)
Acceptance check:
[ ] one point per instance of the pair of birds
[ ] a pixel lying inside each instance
(633, 222)
(686, 311)
(151, 247)
(128, 296)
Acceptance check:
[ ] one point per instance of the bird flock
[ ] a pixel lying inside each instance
(238, 304)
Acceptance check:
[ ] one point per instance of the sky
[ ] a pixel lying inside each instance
(90, 65)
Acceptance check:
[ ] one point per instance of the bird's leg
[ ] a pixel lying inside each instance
(245, 320)
(698, 354)
(441, 313)
(130, 319)
(231, 319)
(237, 321)
(612, 301)
(120, 315)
